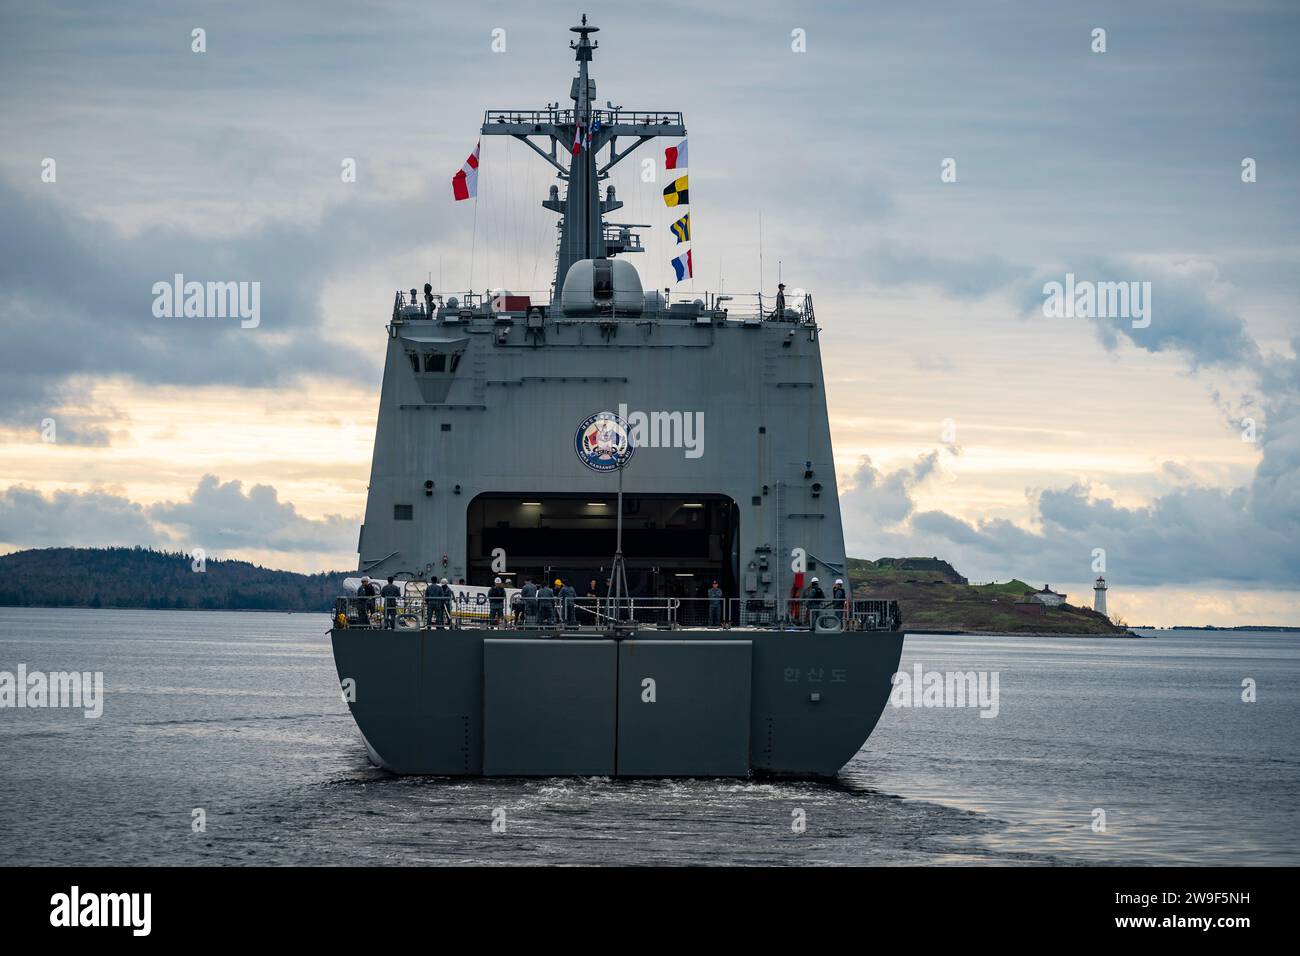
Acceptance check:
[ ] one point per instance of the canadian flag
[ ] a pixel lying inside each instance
(464, 185)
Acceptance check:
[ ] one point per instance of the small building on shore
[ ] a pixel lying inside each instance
(1046, 596)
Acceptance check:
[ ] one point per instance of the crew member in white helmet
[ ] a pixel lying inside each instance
(496, 602)
(815, 598)
(365, 603)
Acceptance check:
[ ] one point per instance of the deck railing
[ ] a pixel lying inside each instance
(413, 610)
(741, 307)
(570, 117)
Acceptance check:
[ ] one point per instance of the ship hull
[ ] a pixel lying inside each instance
(673, 703)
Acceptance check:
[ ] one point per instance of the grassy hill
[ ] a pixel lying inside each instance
(933, 596)
(144, 578)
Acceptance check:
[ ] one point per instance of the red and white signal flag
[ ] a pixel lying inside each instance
(464, 185)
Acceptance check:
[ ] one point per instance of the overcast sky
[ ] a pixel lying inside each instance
(967, 424)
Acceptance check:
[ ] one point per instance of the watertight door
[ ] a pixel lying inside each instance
(548, 707)
(683, 708)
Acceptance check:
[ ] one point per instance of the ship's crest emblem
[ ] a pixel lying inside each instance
(602, 442)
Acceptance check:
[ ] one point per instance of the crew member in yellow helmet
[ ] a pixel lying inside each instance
(568, 602)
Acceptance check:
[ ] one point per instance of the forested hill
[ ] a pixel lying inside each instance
(144, 578)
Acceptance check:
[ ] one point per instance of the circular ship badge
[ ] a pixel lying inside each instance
(602, 442)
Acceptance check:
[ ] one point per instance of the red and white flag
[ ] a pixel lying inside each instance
(577, 140)
(675, 157)
(464, 185)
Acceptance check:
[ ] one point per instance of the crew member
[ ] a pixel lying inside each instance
(496, 602)
(390, 593)
(438, 599)
(840, 597)
(715, 605)
(815, 599)
(449, 603)
(530, 601)
(545, 604)
(779, 312)
(568, 597)
(365, 602)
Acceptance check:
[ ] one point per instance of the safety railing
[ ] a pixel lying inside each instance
(818, 613)
(570, 117)
(414, 304)
(796, 309)
(414, 609)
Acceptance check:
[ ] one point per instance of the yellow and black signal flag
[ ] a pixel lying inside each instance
(676, 193)
(682, 229)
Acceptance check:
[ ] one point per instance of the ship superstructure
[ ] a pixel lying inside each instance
(483, 395)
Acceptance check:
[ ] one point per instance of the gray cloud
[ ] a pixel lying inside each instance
(1248, 535)
(221, 518)
(1188, 313)
(1194, 534)
(880, 499)
(1191, 534)
(224, 516)
(76, 300)
(68, 518)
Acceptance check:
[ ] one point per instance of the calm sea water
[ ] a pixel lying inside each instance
(239, 714)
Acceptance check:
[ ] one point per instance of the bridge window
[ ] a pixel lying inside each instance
(403, 512)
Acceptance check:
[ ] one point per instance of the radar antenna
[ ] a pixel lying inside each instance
(584, 131)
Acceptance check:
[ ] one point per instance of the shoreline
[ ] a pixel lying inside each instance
(1121, 635)
(1129, 634)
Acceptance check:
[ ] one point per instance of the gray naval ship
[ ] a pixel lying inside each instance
(670, 460)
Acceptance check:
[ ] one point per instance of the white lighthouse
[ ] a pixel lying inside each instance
(1099, 596)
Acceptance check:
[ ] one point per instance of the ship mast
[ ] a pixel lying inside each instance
(584, 234)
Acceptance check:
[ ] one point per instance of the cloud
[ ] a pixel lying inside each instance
(883, 500)
(1249, 535)
(1192, 534)
(1188, 536)
(1190, 310)
(76, 302)
(970, 277)
(220, 518)
(72, 518)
